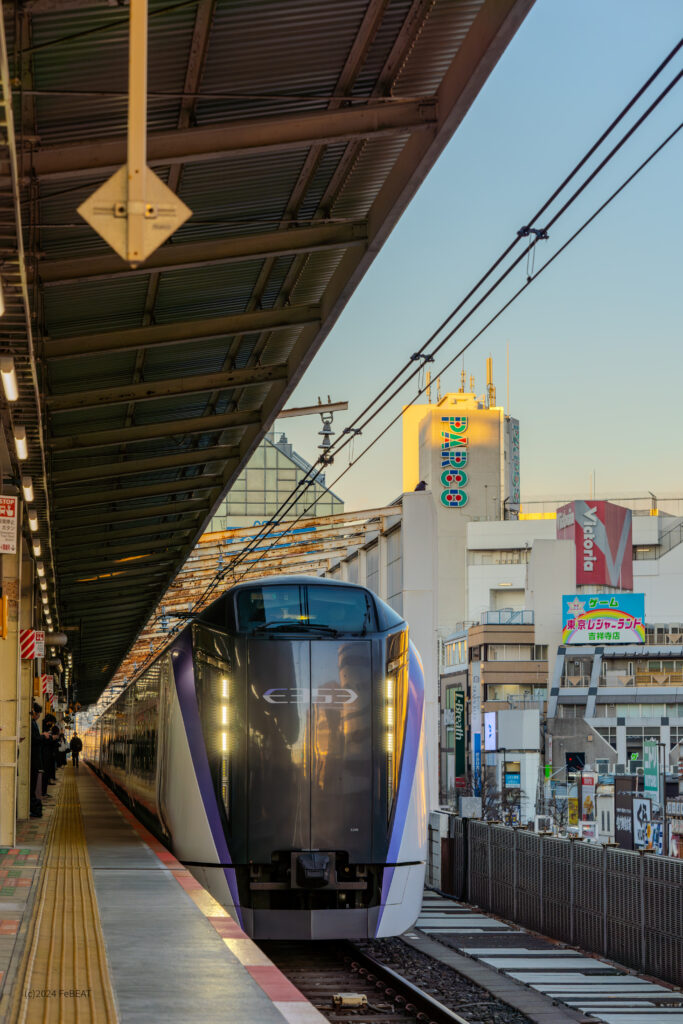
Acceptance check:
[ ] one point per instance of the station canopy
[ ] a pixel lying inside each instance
(296, 133)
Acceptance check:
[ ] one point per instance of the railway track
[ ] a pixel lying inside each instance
(347, 983)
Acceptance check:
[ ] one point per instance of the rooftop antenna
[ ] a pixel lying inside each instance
(438, 389)
(462, 381)
(472, 383)
(429, 387)
(490, 386)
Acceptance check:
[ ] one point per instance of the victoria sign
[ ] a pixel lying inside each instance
(602, 534)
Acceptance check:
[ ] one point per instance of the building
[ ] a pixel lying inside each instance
(267, 481)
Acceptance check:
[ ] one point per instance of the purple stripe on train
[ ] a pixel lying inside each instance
(183, 671)
(407, 772)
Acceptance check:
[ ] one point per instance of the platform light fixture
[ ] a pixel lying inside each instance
(9, 378)
(27, 488)
(33, 519)
(43, 584)
(37, 550)
(20, 443)
(40, 568)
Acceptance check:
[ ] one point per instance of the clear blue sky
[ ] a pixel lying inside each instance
(596, 344)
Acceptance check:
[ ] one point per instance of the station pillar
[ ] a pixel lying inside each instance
(10, 692)
(27, 668)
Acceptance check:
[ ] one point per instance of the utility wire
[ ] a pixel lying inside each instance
(313, 472)
(343, 441)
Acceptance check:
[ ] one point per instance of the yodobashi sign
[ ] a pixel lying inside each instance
(602, 534)
(603, 618)
(454, 454)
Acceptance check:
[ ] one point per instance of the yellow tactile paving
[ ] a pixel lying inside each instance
(64, 974)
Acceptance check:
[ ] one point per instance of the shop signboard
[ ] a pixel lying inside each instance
(588, 784)
(602, 534)
(642, 814)
(651, 768)
(623, 812)
(40, 643)
(603, 618)
(459, 731)
(8, 524)
(654, 836)
(513, 779)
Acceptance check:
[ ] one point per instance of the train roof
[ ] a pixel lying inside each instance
(266, 581)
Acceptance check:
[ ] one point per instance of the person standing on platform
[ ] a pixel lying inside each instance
(76, 746)
(36, 762)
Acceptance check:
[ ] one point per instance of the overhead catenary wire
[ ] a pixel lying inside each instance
(350, 432)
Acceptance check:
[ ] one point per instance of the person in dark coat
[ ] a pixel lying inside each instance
(76, 746)
(36, 762)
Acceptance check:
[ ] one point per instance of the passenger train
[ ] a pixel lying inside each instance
(277, 747)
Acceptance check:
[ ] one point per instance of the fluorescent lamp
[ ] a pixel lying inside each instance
(37, 548)
(40, 568)
(44, 598)
(43, 584)
(27, 488)
(9, 378)
(20, 442)
(33, 519)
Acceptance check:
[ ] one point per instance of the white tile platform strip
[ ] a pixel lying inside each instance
(611, 996)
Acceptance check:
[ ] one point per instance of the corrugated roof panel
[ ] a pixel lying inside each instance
(85, 373)
(170, 361)
(206, 292)
(315, 276)
(441, 36)
(89, 307)
(369, 173)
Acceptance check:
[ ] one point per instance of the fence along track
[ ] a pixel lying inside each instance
(64, 975)
(623, 905)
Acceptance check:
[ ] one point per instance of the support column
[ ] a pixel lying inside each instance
(26, 621)
(10, 690)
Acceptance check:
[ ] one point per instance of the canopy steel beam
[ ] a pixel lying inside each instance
(114, 470)
(149, 390)
(184, 485)
(119, 574)
(269, 244)
(150, 431)
(116, 555)
(218, 142)
(179, 333)
(66, 545)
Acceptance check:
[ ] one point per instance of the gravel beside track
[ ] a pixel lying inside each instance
(442, 982)
(321, 969)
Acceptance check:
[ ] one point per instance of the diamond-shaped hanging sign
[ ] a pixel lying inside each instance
(107, 212)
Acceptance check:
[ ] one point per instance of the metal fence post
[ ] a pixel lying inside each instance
(540, 882)
(604, 900)
(643, 937)
(571, 892)
(489, 861)
(515, 880)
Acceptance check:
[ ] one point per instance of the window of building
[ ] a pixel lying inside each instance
(454, 652)
(609, 735)
(540, 652)
(510, 652)
(498, 557)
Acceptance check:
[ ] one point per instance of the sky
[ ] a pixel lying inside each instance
(596, 343)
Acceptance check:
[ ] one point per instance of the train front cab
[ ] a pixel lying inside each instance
(314, 738)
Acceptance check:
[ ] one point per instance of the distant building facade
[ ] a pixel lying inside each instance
(272, 473)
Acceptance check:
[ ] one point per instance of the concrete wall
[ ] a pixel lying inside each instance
(552, 573)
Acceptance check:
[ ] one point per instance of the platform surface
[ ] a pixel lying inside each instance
(169, 951)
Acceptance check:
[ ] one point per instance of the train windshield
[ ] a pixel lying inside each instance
(314, 610)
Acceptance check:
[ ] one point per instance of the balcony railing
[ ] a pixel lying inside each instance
(508, 617)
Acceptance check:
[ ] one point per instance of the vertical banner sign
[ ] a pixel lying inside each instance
(623, 813)
(513, 467)
(588, 784)
(475, 724)
(490, 737)
(8, 525)
(453, 461)
(651, 768)
(641, 819)
(459, 733)
(40, 643)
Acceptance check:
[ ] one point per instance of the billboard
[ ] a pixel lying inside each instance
(490, 738)
(651, 768)
(603, 537)
(642, 813)
(623, 812)
(603, 618)
(459, 731)
(588, 784)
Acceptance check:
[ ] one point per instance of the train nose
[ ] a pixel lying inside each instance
(313, 870)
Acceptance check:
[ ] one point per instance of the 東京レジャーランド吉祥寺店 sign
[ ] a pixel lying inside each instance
(603, 618)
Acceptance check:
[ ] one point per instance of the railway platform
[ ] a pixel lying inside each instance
(99, 923)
